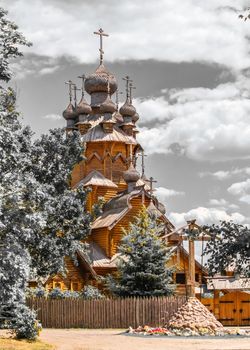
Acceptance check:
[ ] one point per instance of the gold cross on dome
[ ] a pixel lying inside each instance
(131, 87)
(75, 89)
(128, 80)
(142, 155)
(101, 35)
(117, 98)
(70, 83)
(83, 78)
(151, 181)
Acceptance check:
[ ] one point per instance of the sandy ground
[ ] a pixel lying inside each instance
(93, 339)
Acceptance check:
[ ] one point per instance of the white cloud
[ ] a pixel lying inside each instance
(239, 188)
(34, 65)
(206, 216)
(153, 109)
(53, 117)
(48, 70)
(164, 193)
(205, 31)
(245, 198)
(218, 202)
(212, 126)
(222, 175)
(222, 204)
(227, 174)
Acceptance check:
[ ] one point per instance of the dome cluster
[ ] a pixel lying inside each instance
(100, 85)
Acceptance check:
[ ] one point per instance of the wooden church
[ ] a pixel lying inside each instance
(109, 170)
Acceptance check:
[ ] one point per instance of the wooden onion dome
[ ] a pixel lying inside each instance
(131, 176)
(83, 109)
(70, 116)
(96, 85)
(127, 111)
(107, 108)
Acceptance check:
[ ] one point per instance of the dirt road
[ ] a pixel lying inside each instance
(93, 339)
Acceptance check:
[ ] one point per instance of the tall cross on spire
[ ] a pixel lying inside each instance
(128, 80)
(151, 181)
(101, 34)
(70, 83)
(117, 93)
(142, 155)
(131, 87)
(83, 78)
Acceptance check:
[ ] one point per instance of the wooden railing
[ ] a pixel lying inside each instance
(105, 313)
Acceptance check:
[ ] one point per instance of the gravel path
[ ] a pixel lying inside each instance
(93, 339)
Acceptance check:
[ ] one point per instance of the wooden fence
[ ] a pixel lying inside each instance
(105, 313)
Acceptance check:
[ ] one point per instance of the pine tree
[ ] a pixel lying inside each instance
(142, 270)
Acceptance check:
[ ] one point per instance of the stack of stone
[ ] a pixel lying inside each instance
(193, 316)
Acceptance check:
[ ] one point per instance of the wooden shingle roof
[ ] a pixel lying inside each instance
(95, 178)
(97, 134)
(99, 258)
(116, 208)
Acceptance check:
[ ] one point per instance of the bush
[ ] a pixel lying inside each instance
(38, 292)
(25, 325)
(56, 293)
(90, 292)
(71, 294)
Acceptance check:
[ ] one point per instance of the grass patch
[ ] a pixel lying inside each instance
(12, 344)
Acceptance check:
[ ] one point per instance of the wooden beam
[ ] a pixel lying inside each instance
(191, 269)
(200, 238)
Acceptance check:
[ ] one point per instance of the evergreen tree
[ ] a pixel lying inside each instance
(142, 270)
(41, 219)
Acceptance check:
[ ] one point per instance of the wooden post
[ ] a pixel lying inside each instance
(217, 304)
(191, 269)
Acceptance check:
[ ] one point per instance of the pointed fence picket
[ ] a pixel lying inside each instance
(105, 313)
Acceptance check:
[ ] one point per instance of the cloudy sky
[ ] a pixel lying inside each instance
(190, 63)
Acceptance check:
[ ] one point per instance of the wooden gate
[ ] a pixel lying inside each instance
(235, 309)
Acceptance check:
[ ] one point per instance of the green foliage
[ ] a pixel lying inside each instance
(39, 292)
(97, 207)
(229, 247)
(246, 15)
(142, 269)
(41, 219)
(10, 40)
(25, 325)
(90, 292)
